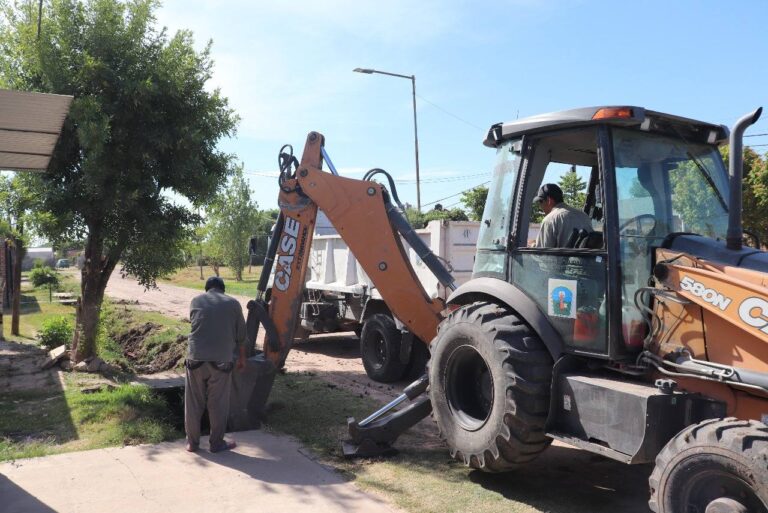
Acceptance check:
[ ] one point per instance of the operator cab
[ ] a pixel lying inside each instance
(641, 176)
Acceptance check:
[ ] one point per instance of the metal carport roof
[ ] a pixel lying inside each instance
(30, 124)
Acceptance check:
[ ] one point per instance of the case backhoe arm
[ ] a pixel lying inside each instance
(358, 210)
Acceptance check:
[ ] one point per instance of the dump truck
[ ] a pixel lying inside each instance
(644, 340)
(339, 295)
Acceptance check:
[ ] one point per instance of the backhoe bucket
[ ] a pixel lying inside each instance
(251, 386)
(249, 393)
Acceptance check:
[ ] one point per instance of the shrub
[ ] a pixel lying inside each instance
(40, 276)
(55, 332)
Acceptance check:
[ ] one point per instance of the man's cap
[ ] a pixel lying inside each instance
(214, 282)
(549, 190)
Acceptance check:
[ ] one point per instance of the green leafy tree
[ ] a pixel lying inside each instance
(213, 251)
(44, 276)
(453, 214)
(142, 125)
(755, 192)
(474, 201)
(262, 231)
(636, 189)
(16, 200)
(232, 219)
(414, 217)
(694, 202)
(574, 188)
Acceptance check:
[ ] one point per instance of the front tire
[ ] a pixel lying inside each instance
(380, 349)
(489, 381)
(716, 464)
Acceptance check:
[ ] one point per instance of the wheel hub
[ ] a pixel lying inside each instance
(726, 505)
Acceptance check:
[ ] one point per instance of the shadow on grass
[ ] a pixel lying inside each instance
(29, 304)
(33, 423)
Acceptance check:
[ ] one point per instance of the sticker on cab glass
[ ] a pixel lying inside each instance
(562, 298)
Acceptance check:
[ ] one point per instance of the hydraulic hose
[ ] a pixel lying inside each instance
(405, 229)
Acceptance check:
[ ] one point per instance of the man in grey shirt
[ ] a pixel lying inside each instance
(218, 327)
(560, 220)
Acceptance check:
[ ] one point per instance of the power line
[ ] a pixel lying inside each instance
(443, 179)
(453, 195)
(756, 135)
(264, 174)
(755, 145)
(450, 113)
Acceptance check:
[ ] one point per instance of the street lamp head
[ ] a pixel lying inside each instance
(363, 70)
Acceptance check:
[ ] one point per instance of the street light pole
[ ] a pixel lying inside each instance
(412, 78)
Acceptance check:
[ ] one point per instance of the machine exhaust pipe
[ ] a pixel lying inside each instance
(735, 234)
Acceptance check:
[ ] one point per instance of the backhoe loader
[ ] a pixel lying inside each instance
(643, 340)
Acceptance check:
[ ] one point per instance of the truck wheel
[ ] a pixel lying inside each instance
(417, 362)
(715, 466)
(489, 382)
(380, 349)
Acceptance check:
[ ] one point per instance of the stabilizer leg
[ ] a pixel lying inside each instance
(374, 435)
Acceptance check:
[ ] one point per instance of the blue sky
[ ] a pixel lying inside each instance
(287, 69)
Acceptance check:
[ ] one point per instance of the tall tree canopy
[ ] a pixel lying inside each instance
(16, 201)
(474, 200)
(232, 219)
(755, 192)
(574, 188)
(142, 126)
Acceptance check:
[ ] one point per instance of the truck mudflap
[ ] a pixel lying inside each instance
(374, 435)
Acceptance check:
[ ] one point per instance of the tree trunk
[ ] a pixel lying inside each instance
(18, 252)
(3, 263)
(92, 297)
(95, 275)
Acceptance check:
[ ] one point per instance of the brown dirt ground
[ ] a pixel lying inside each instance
(20, 369)
(132, 342)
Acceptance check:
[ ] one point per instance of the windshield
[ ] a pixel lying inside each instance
(498, 207)
(666, 185)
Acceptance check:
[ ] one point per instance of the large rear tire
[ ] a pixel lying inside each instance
(380, 349)
(716, 465)
(489, 381)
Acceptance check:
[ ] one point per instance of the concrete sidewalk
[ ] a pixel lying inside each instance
(265, 473)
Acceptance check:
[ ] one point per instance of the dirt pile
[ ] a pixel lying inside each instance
(149, 349)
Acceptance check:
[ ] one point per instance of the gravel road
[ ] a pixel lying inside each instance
(334, 357)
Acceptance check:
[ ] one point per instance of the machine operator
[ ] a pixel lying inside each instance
(560, 220)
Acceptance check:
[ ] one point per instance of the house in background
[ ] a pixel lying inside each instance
(47, 255)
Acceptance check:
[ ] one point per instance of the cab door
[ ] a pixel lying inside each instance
(569, 284)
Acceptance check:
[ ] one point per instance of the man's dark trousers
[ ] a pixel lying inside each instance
(206, 386)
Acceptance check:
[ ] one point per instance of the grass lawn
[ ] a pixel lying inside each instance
(190, 277)
(422, 478)
(36, 423)
(36, 308)
(40, 423)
